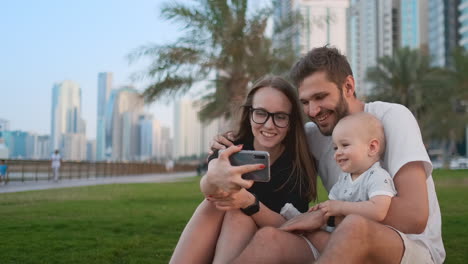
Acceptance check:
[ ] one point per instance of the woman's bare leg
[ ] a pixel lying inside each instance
(236, 232)
(198, 240)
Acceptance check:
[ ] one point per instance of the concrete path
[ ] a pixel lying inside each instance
(44, 184)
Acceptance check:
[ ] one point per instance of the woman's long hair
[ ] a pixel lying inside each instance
(304, 170)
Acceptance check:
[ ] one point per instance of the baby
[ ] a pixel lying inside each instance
(364, 188)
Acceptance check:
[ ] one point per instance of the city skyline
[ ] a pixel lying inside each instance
(49, 42)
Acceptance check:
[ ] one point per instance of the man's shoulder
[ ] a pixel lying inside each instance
(389, 113)
(381, 109)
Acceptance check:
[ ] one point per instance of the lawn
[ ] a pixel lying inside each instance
(140, 223)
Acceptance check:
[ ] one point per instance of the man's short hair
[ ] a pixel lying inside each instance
(324, 59)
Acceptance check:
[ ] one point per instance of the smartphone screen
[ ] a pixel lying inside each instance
(244, 157)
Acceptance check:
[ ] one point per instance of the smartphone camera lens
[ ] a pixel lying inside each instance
(259, 157)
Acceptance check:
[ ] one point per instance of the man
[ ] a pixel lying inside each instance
(327, 92)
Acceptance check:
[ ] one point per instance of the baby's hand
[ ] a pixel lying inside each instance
(331, 207)
(314, 208)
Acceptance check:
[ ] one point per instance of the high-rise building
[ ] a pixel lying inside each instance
(146, 126)
(4, 125)
(66, 120)
(104, 90)
(74, 146)
(166, 146)
(463, 20)
(91, 150)
(324, 23)
(413, 22)
(370, 36)
(443, 30)
(124, 107)
(157, 140)
(4, 151)
(43, 147)
(31, 146)
(191, 136)
(16, 143)
(186, 130)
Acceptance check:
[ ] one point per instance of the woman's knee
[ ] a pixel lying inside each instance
(207, 207)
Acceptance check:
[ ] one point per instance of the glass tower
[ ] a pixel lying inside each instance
(463, 20)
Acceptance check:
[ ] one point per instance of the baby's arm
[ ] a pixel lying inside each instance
(375, 209)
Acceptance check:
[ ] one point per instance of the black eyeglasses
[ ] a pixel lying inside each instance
(261, 116)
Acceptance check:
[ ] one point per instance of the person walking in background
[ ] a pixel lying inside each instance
(56, 159)
(3, 172)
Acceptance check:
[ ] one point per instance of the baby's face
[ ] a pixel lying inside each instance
(351, 148)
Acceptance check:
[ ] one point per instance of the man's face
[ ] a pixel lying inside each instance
(322, 102)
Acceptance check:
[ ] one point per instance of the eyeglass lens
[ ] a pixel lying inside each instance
(261, 116)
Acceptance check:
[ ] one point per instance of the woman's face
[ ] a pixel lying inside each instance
(269, 135)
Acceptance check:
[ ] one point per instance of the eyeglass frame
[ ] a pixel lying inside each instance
(272, 115)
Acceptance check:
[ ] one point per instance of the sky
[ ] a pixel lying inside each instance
(48, 41)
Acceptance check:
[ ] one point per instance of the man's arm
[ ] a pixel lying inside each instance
(409, 209)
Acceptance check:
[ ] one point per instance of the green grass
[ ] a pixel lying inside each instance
(141, 223)
(133, 223)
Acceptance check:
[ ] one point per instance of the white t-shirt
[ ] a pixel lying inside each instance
(374, 181)
(404, 145)
(56, 160)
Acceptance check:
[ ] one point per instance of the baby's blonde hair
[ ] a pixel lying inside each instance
(369, 127)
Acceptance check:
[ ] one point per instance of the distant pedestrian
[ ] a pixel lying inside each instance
(56, 159)
(169, 165)
(3, 172)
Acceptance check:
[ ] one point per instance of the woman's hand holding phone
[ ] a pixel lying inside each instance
(226, 177)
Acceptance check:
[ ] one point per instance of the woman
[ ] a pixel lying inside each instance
(235, 208)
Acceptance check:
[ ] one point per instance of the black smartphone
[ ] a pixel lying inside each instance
(244, 157)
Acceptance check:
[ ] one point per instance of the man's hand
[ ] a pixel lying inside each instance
(331, 208)
(305, 222)
(222, 141)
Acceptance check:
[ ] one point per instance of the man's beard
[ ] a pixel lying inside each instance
(341, 110)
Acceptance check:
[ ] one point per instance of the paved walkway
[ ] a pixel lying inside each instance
(44, 184)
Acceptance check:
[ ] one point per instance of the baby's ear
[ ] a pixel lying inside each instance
(374, 147)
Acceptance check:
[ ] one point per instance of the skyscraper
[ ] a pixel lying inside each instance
(166, 146)
(43, 147)
(370, 36)
(157, 140)
(66, 118)
(463, 20)
(122, 139)
(191, 136)
(324, 22)
(443, 30)
(413, 21)
(104, 89)
(187, 129)
(91, 150)
(146, 144)
(4, 125)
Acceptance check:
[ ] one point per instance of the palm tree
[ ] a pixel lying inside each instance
(456, 92)
(222, 42)
(436, 96)
(401, 78)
